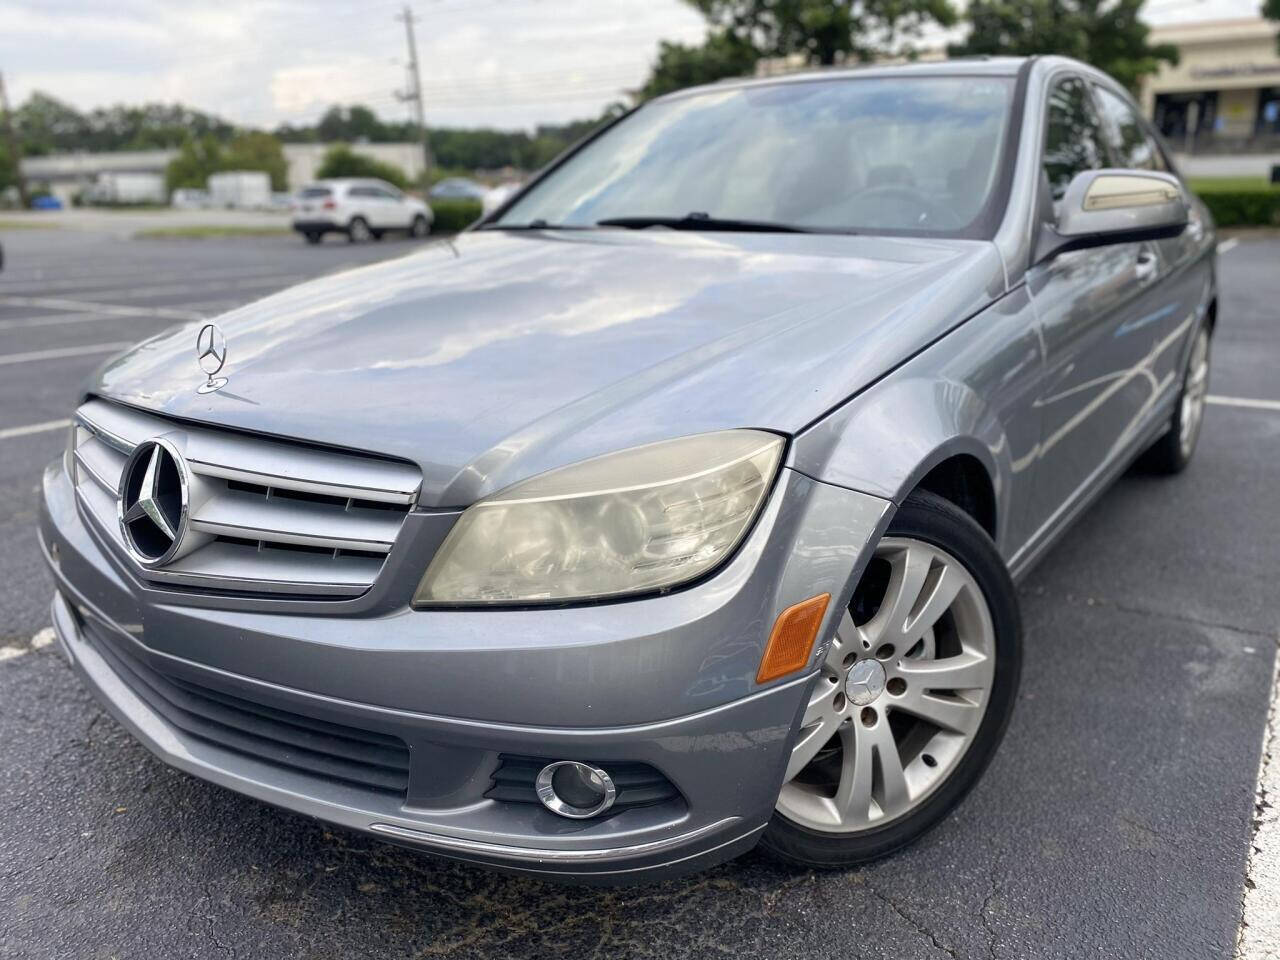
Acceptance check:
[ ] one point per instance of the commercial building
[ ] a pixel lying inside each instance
(68, 174)
(1223, 97)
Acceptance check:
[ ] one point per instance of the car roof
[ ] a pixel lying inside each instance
(959, 67)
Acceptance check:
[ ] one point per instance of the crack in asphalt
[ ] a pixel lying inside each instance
(919, 927)
(984, 914)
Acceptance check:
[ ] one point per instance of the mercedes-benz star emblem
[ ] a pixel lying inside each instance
(865, 682)
(153, 502)
(211, 354)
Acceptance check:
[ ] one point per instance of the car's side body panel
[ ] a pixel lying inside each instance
(1054, 389)
(973, 393)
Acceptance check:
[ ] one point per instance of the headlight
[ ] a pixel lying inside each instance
(634, 521)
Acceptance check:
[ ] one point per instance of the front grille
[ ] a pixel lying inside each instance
(638, 784)
(268, 517)
(333, 751)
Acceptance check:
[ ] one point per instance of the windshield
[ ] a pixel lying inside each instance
(916, 155)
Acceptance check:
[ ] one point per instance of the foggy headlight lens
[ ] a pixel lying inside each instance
(628, 522)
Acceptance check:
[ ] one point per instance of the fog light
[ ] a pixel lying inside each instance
(576, 790)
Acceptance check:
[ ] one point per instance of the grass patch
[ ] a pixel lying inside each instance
(27, 225)
(199, 232)
(1230, 184)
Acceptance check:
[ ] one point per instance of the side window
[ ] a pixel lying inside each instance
(1129, 140)
(1073, 139)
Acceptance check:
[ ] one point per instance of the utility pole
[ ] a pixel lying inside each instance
(15, 148)
(414, 91)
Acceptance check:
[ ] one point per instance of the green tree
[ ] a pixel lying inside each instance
(1108, 34)
(724, 54)
(254, 150)
(197, 158)
(342, 161)
(1271, 10)
(826, 31)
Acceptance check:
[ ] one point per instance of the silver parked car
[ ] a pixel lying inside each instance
(674, 509)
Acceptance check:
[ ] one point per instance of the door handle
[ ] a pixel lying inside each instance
(1145, 267)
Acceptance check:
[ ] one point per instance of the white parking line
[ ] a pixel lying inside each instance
(126, 278)
(1259, 937)
(1247, 402)
(1226, 246)
(54, 354)
(50, 320)
(276, 280)
(39, 641)
(114, 309)
(9, 432)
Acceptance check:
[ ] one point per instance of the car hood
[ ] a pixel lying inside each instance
(500, 354)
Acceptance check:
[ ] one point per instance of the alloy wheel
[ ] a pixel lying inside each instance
(359, 231)
(1194, 392)
(901, 693)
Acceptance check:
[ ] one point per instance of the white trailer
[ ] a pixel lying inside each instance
(115, 187)
(241, 189)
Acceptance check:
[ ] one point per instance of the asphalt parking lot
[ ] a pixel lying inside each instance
(1115, 822)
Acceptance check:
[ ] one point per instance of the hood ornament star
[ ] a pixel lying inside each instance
(211, 354)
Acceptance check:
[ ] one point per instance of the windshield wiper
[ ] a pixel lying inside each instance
(702, 221)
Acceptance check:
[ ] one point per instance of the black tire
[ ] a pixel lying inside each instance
(358, 230)
(924, 516)
(419, 228)
(1170, 454)
(377, 234)
(313, 236)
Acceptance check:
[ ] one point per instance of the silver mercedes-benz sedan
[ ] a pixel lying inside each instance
(676, 507)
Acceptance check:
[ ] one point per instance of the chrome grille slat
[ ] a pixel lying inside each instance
(270, 517)
(252, 517)
(101, 462)
(224, 566)
(272, 463)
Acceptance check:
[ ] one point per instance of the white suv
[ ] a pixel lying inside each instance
(362, 209)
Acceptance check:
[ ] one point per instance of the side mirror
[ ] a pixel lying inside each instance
(1103, 207)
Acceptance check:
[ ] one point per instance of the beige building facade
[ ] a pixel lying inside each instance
(1224, 94)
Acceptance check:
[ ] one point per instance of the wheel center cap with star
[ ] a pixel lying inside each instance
(865, 682)
(152, 505)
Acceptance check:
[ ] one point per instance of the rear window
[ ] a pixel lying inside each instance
(311, 193)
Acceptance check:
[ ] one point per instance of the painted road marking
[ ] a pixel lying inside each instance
(55, 354)
(278, 281)
(31, 428)
(122, 278)
(1247, 402)
(114, 309)
(1259, 937)
(197, 311)
(1226, 246)
(49, 320)
(39, 641)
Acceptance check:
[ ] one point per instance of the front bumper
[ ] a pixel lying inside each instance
(665, 681)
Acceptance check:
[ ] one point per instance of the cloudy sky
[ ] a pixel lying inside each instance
(503, 63)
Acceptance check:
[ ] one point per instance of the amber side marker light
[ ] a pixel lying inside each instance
(792, 638)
